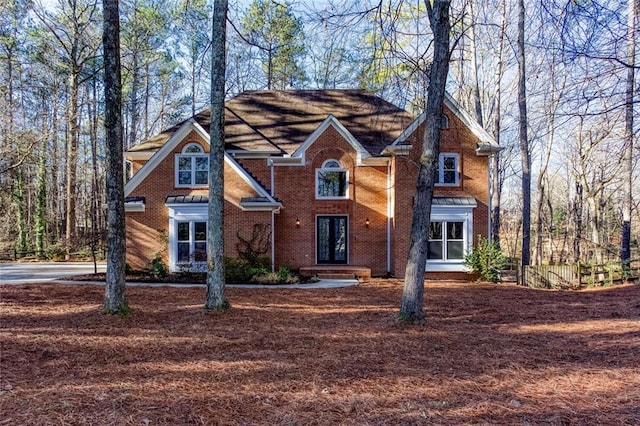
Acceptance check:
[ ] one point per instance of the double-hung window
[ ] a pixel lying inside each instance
(448, 170)
(446, 240)
(332, 181)
(192, 166)
(191, 242)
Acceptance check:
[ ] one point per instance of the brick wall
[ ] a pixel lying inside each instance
(474, 171)
(147, 233)
(295, 187)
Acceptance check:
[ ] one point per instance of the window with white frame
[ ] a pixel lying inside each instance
(191, 241)
(450, 235)
(446, 240)
(448, 173)
(192, 166)
(332, 180)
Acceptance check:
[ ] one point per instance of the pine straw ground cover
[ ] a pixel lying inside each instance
(490, 354)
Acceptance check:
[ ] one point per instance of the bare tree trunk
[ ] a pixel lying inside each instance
(215, 297)
(115, 301)
(524, 142)
(496, 173)
(576, 214)
(411, 308)
(134, 113)
(72, 161)
(95, 190)
(41, 189)
(55, 178)
(625, 252)
(475, 89)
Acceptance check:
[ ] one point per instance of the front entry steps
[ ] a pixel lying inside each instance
(336, 272)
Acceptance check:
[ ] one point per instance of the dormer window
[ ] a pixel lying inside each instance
(448, 173)
(331, 181)
(192, 166)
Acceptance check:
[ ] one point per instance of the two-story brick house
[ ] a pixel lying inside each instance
(318, 177)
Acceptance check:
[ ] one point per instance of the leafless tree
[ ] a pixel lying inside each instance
(115, 301)
(411, 308)
(215, 297)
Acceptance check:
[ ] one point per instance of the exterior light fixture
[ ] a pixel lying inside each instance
(366, 222)
(297, 223)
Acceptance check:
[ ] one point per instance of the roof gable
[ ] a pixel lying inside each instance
(361, 153)
(185, 129)
(279, 122)
(486, 144)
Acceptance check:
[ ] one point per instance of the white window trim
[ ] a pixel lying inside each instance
(196, 212)
(192, 156)
(441, 158)
(453, 214)
(332, 169)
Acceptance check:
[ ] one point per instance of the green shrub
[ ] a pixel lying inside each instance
(263, 262)
(486, 259)
(159, 268)
(56, 252)
(282, 276)
(236, 270)
(285, 276)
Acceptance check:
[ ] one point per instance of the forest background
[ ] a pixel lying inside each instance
(580, 61)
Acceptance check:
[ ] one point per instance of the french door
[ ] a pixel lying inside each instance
(332, 236)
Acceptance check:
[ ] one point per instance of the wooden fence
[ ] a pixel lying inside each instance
(579, 275)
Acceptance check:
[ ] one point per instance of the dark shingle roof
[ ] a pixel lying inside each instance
(281, 121)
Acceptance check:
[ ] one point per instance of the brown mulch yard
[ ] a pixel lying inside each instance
(488, 354)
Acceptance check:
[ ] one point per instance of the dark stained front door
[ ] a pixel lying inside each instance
(332, 237)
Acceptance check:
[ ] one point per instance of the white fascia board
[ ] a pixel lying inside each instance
(238, 153)
(256, 206)
(160, 154)
(375, 161)
(134, 207)
(287, 161)
(361, 152)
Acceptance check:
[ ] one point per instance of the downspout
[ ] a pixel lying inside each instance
(389, 215)
(273, 217)
(490, 194)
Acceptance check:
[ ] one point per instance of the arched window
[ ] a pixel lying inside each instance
(192, 166)
(332, 180)
(444, 122)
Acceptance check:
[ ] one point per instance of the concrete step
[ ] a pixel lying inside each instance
(329, 276)
(336, 271)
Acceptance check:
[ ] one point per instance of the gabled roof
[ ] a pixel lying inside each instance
(174, 139)
(279, 122)
(486, 143)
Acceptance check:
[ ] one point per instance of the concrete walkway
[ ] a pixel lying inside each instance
(52, 272)
(308, 286)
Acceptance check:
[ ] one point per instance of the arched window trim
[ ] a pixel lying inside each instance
(185, 150)
(336, 190)
(192, 168)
